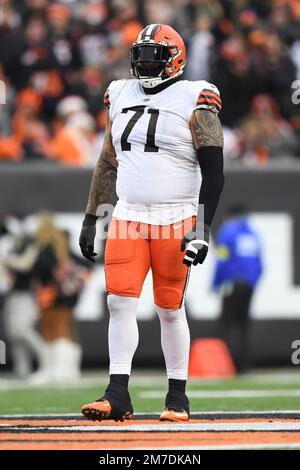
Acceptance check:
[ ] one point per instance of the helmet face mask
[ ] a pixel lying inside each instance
(149, 60)
(152, 60)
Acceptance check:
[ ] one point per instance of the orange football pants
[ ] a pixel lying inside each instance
(133, 248)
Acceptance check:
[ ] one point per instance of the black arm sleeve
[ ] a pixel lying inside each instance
(211, 164)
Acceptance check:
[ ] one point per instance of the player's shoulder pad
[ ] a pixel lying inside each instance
(113, 90)
(209, 97)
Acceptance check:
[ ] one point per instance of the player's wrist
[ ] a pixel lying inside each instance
(201, 231)
(89, 220)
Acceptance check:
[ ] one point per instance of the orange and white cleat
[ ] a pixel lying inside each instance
(101, 410)
(174, 415)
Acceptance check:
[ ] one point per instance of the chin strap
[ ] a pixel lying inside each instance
(154, 82)
(160, 87)
(151, 82)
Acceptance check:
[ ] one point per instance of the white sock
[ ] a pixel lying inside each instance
(175, 341)
(123, 335)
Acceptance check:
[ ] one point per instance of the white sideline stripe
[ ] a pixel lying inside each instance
(15, 384)
(290, 445)
(228, 394)
(279, 426)
(150, 413)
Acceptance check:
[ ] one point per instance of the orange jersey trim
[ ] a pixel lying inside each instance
(209, 97)
(209, 101)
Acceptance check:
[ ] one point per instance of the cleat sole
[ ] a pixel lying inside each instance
(96, 415)
(172, 417)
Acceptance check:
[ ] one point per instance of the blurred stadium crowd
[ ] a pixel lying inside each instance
(58, 57)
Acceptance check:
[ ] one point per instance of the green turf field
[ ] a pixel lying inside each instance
(245, 393)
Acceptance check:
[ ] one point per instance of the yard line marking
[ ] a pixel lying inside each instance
(83, 383)
(278, 426)
(227, 394)
(18, 425)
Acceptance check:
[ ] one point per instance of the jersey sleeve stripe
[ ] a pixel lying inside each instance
(210, 94)
(209, 90)
(209, 98)
(206, 100)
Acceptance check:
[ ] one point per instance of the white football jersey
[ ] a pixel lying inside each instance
(158, 177)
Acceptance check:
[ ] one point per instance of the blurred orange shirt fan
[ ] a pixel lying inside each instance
(73, 143)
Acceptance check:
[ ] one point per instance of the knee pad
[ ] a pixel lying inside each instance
(168, 297)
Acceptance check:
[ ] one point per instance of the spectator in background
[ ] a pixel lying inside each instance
(36, 54)
(68, 107)
(7, 110)
(279, 73)
(235, 75)
(75, 143)
(89, 84)
(265, 133)
(63, 44)
(11, 40)
(36, 141)
(159, 11)
(238, 270)
(18, 258)
(60, 277)
(30, 139)
(28, 107)
(126, 19)
(30, 8)
(94, 40)
(124, 27)
(200, 49)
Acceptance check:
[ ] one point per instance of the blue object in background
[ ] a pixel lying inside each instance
(238, 253)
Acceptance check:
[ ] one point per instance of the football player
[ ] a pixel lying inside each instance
(163, 152)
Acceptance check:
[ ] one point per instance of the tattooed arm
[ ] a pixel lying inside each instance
(102, 185)
(206, 129)
(208, 142)
(104, 176)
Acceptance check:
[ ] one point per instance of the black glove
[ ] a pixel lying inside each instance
(195, 242)
(87, 237)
